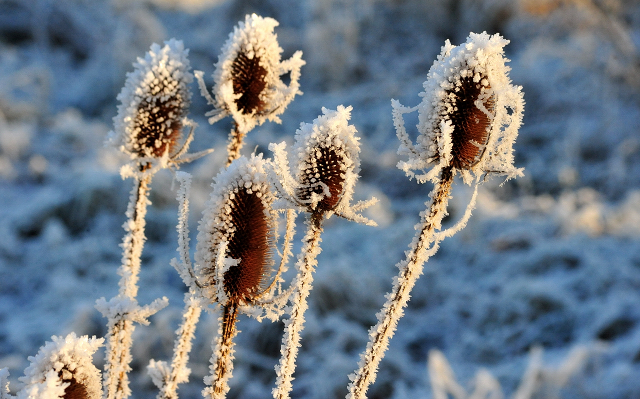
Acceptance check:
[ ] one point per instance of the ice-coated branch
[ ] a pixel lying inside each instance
(222, 358)
(165, 377)
(423, 246)
(293, 326)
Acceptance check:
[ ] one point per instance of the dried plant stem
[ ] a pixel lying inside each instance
(133, 241)
(222, 359)
(424, 245)
(182, 348)
(293, 326)
(236, 141)
(119, 341)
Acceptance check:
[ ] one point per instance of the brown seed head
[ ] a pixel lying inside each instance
(252, 242)
(324, 167)
(471, 124)
(75, 390)
(159, 125)
(249, 80)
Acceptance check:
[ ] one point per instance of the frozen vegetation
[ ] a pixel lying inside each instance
(536, 298)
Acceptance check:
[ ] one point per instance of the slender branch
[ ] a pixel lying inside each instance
(236, 141)
(424, 245)
(294, 325)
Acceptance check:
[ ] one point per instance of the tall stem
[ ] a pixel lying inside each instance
(294, 325)
(120, 331)
(223, 353)
(236, 140)
(181, 350)
(423, 246)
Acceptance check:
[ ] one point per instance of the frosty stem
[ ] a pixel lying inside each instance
(236, 140)
(119, 335)
(293, 326)
(423, 246)
(223, 352)
(133, 241)
(181, 349)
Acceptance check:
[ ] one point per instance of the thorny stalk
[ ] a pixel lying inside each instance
(224, 350)
(424, 245)
(304, 280)
(236, 141)
(119, 342)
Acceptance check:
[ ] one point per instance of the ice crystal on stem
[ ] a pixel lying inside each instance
(326, 166)
(247, 79)
(63, 369)
(469, 118)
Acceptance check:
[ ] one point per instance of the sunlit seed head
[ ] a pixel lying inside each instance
(154, 102)
(469, 115)
(471, 125)
(252, 241)
(249, 82)
(323, 172)
(240, 215)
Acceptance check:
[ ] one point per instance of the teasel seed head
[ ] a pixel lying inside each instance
(154, 103)
(64, 368)
(469, 115)
(326, 166)
(240, 220)
(247, 76)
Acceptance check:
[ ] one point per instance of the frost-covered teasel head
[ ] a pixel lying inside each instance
(247, 76)
(154, 103)
(326, 166)
(469, 115)
(63, 369)
(237, 235)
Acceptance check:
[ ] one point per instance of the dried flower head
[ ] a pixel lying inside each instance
(63, 369)
(247, 83)
(237, 234)
(154, 103)
(469, 115)
(326, 166)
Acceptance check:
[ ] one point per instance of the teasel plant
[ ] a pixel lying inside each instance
(326, 166)
(468, 121)
(234, 268)
(148, 127)
(63, 369)
(247, 80)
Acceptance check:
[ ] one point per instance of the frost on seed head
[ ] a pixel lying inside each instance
(63, 369)
(237, 234)
(154, 103)
(247, 83)
(326, 166)
(469, 115)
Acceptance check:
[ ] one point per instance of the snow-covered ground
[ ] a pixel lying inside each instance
(550, 260)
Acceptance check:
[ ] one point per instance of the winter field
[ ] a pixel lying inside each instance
(542, 286)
